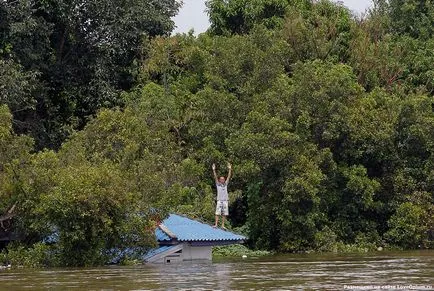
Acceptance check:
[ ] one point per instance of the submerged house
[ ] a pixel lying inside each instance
(184, 239)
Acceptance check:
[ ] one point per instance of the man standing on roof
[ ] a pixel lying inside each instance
(222, 207)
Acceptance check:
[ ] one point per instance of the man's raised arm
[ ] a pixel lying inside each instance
(229, 173)
(215, 174)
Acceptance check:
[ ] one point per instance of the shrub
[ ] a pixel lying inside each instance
(237, 251)
(406, 229)
(37, 256)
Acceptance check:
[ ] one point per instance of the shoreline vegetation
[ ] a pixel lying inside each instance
(36, 257)
(108, 123)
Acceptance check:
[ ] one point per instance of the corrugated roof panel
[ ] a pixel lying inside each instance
(187, 229)
(161, 235)
(157, 251)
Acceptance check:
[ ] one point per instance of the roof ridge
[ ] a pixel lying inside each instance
(167, 231)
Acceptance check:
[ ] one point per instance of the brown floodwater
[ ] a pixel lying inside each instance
(373, 271)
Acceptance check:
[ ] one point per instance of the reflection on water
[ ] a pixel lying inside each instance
(327, 272)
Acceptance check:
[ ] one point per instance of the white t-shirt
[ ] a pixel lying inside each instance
(222, 191)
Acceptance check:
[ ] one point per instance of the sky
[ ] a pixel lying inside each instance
(193, 16)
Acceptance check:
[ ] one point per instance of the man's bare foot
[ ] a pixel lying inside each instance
(224, 227)
(215, 226)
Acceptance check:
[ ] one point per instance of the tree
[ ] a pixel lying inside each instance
(19, 91)
(239, 17)
(84, 52)
(414, 18)
(14, 154)
(322, 30)
(94, 212)
(406, 228)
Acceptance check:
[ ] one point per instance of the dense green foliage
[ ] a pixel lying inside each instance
(237, 251)
(327, 119)
(73, 57)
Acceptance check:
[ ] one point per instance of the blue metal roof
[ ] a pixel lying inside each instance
(186, 229)
(157, 251)
(161, 235)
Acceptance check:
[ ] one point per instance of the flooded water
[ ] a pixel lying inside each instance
(376, 271)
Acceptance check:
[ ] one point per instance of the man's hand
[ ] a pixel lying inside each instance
(213, 167)
(230, 173)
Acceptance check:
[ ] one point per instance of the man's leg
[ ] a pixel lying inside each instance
(218, 212)
(225, 212)
(223, 221)
(216, 220)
